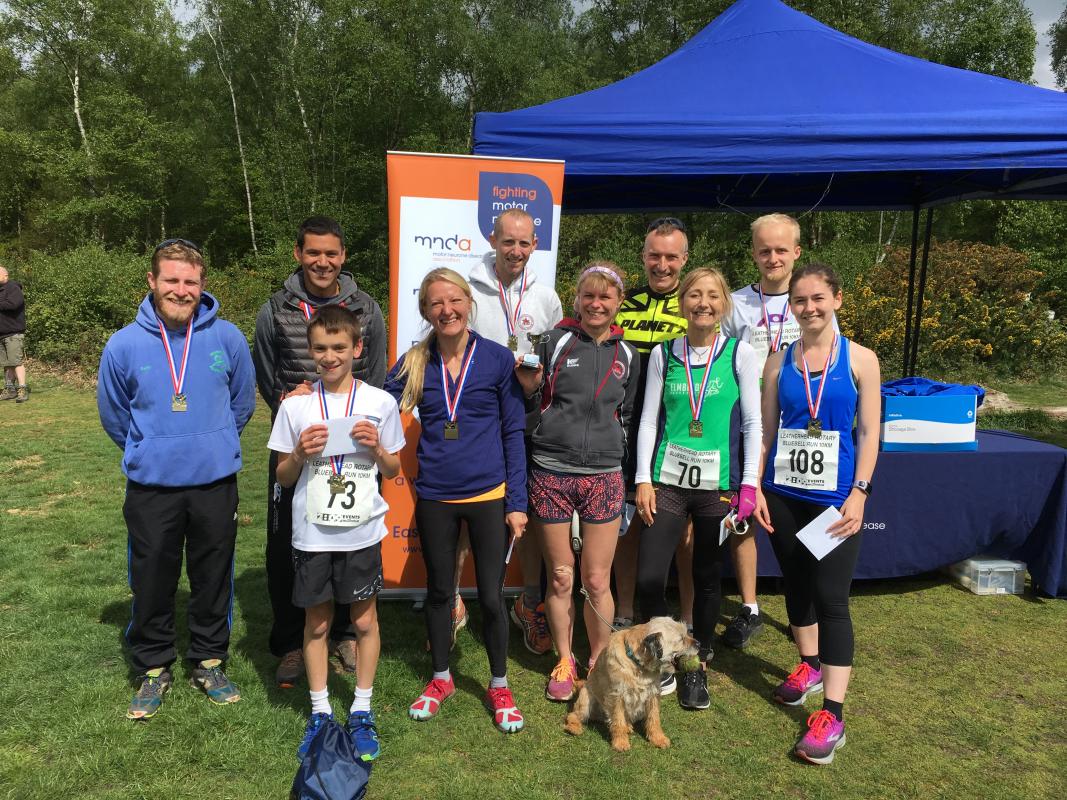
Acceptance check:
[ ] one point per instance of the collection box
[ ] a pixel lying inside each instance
(945, 423)
(989, 575)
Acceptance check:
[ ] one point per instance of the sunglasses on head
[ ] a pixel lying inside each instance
(169, 242)
(674, 222)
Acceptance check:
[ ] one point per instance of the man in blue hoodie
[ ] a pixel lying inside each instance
(174, 391)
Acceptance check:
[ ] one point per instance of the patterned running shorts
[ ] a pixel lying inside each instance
(555, 496)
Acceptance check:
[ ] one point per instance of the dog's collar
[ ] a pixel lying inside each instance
(633, 658)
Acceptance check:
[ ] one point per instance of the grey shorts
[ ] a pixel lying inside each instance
(11, 347)
(344, 577)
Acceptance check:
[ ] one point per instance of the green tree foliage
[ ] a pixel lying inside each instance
(982, 314)
(119, 124)
(1057, 34)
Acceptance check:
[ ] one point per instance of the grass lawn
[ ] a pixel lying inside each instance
(954, 695)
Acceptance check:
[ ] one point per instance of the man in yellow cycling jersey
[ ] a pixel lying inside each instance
(648, 316)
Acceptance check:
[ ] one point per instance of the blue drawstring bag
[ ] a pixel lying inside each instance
(332, 769)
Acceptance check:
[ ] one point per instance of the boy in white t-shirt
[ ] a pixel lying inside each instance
(338, 512)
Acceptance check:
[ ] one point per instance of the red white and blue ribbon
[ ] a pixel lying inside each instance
(452, 402)
(308, 310)
(813, 408)
(776, 342)
(177, 376)
(696, 401)
(511, 320)
(337, 462)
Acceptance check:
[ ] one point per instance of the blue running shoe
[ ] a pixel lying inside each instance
(220, 690)
(311, 730)
(155, 683)
(364, 733)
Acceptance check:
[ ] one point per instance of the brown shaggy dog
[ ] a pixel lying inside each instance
(623, 686)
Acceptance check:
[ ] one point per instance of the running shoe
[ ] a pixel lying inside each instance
(429, 702)
(345, 651)
(505, 715)
(561, 682)
(154, 684)
(533, 624)
(459, 621)
(824, 735)
(459, 618)
(22, 394)
(220, 690)
(311, 730)
(801, 682)
(693, 691)
(364, 733)
(619, 623)
(742, 629)
(667, 684)
(290, 668)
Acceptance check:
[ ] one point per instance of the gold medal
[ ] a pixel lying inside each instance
(179, 403)
(814, 427)
(513, 343)
(451, 430)
(696, 429)
(337, 484)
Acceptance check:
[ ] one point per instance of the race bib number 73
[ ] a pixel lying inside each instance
(807, 462)
(349, 508)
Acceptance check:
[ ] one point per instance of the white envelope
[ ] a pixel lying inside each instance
(815, 537)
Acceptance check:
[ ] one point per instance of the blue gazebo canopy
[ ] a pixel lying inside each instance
(767, 108)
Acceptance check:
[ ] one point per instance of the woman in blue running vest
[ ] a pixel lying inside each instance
(697, 444)
(813, 393)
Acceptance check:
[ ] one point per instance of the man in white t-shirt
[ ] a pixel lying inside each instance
(338, 512)
(761, 317)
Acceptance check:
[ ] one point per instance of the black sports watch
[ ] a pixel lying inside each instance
(863, 486)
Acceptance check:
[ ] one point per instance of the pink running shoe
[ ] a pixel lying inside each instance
(801, 682)
(505, 715)
(825, 734)
(429, 702)
(561, 681)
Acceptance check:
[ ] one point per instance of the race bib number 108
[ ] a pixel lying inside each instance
(807, 462)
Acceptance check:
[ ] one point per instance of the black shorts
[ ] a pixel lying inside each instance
(346, 576)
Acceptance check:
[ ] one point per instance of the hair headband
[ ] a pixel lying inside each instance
(603, 271)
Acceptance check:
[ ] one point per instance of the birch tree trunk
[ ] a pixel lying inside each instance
(215, 37)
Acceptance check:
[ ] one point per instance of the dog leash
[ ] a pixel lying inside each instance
(592, 605)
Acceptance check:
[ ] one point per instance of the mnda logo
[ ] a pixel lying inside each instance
(455, 242)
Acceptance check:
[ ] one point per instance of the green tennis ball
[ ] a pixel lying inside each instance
(689, 663)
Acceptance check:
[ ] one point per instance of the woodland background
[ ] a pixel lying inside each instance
(123, 122)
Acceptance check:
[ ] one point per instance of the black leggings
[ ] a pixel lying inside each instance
(656, 552)
(815, 591)
(438, 525)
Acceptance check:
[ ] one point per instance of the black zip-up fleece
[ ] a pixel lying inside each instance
(583, 407)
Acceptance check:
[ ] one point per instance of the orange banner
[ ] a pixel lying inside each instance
(441, 212)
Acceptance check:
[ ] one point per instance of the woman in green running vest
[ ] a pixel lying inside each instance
(698, 452)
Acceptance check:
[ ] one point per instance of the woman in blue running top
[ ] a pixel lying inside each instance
(813, 392)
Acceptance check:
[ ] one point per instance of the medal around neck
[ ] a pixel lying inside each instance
(178, 400)
(696, 398)
(452, 401)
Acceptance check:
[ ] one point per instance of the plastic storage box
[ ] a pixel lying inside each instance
(989, 575)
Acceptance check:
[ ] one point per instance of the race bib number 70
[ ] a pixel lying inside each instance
(807, 462)
(690, 469)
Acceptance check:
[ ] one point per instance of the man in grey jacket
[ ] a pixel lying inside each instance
(283, 366)
(513, 309)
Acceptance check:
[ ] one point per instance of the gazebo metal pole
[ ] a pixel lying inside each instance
(922, 289)
(911, 289)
